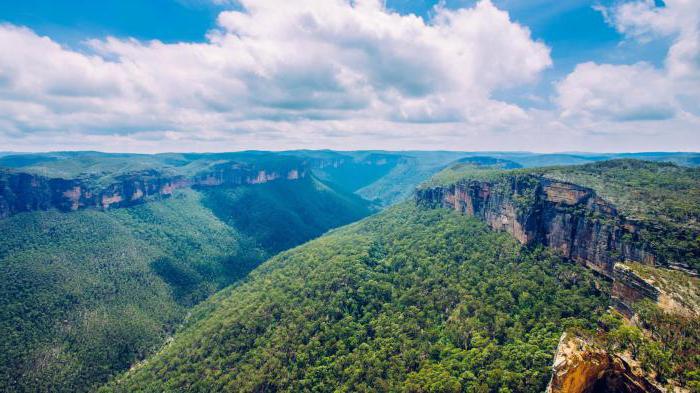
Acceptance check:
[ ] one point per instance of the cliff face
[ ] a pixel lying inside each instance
(581, 368)
(568, 218)
(23, 192)
(629, 287)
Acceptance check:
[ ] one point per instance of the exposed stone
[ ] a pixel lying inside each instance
(578, 224)
(629, 288)
(570, 219)
(582, 368)
(565, 217)
(23, 192)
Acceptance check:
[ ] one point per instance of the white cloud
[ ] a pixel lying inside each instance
(330, 74)
(616, 92)
(278, 62)
(642, 19)
(641, 91)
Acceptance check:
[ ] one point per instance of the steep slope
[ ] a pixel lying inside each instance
(408, 300)
(415, 167)
(22, 191)
(633, 222)
(390, 177)
(281, 215)
(598, 213)
(384, 177)
(349, 171)
(85, 293)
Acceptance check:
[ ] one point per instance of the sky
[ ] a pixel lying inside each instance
(224, 75)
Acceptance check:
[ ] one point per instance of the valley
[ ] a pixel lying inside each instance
(89, 287)
(350, 196)
(475, 272)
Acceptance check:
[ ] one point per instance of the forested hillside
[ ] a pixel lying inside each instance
(85, 294)
(408, 300)
(633, 222)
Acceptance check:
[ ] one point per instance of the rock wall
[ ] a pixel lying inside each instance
(23, 192)
(628, 288)
(581, 368)
(565, 217)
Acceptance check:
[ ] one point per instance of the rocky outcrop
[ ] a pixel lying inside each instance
(580, 367)
(23, 192)
(568, 218)
(628, 288)
(674, 292)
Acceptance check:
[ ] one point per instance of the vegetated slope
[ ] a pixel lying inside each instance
(85, 163)
(407, 300)
(309, 208)
(85, 294)
(414, 168)
(385, 177)
(102, 169)
(678, 158)
(634, 222)
(641, 189)
(349, 171)
(485, 161)
(530, 160)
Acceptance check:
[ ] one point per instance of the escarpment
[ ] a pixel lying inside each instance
(24, 192)
(568, 218)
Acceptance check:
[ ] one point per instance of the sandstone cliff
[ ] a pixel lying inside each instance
(568, 218)
(580, 367)
(23, 192)
(628, 288)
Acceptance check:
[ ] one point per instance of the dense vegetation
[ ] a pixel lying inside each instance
(379, 176)
(408, 300)
(281, 215)
(665, 339)
(399, 183)
(642, 190)
(85, 294)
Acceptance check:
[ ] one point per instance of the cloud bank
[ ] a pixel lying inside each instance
(341, 74)
(641, 91)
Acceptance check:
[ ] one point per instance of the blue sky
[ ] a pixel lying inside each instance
(71, 21)
(574, 44)
(574, 30)
(572, 27)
